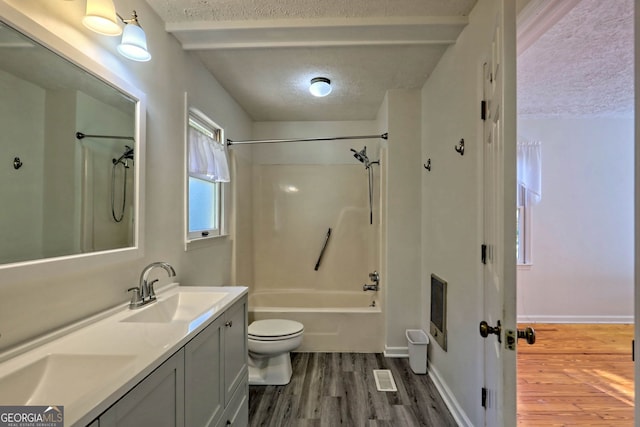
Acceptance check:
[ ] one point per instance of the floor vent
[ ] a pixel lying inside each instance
(384, 380)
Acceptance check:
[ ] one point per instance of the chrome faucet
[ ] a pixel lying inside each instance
(375, 285)
(144, 293)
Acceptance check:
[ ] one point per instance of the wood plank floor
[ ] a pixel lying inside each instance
(576, 375)
(338, 389)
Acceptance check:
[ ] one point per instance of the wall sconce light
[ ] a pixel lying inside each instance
(320, 86)
(134, 41)
(102, 18)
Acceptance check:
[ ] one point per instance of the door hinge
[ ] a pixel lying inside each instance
(483, 253)
(483, 109)
(484, 397)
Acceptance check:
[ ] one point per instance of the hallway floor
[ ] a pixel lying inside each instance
(576, 375)
(334, 389)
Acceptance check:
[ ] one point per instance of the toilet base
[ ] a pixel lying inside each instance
(268, 370)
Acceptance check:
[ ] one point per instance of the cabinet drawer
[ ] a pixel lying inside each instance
(236, 413)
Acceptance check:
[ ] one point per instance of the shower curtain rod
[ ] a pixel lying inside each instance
(334, 138)
(80, 135)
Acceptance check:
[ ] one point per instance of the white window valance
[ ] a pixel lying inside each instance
(529, 157)
(207, 157)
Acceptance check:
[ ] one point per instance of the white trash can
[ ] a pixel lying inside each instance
(418, 342)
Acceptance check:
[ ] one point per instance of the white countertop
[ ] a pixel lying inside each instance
(135, 349)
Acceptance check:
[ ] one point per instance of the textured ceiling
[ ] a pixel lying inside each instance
(274, 85)
(582, 66)
(265, 52)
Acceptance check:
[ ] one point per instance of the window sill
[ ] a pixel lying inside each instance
(202, 242)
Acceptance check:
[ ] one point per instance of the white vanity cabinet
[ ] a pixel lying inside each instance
(215, 369)
(204, 384)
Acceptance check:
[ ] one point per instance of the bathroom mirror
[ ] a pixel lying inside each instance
(69, 155)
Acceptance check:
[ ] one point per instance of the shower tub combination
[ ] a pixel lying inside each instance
(334, 321)
(316, 241)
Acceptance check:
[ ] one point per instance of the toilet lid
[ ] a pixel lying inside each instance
(274, 328)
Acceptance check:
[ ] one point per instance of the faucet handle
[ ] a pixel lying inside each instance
(152, 292)
(374, 277)
(135, 297)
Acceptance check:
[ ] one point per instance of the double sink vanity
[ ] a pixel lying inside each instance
(181, 361)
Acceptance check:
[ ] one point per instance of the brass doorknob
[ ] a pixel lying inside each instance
(528, 334)
(486, 330)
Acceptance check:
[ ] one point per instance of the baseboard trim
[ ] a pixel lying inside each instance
(449, 399)
(396, 351)
(574, 319)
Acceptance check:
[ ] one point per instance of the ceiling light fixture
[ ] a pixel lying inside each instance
(320, 86)
(102, 18)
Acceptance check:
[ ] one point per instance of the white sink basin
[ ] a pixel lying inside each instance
(181, 307)
(63, 377)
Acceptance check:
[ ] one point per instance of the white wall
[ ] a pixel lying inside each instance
(21, 106)
(60, 214)
(452, 214)
(31, 305)
(402, 217)
(582, 229)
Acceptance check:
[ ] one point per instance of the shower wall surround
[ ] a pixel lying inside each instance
(295, 205)
(302, 189)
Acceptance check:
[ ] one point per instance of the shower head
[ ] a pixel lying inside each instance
(128, 152)
(127, 155)
(361, 155)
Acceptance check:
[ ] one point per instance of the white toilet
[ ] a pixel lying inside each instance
(270, 342)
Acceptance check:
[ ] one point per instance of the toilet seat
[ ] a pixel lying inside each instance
(274, 329)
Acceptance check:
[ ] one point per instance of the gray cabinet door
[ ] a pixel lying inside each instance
(235, 347)
(204, 391)
(157, 401)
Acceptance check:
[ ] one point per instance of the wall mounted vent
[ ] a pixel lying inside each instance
(438, 324)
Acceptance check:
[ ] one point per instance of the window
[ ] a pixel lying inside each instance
(207, 171)
(523, 238)
(529, 158)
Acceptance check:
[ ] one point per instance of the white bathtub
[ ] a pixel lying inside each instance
(334, 321)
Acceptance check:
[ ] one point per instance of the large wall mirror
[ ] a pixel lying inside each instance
(69, 156)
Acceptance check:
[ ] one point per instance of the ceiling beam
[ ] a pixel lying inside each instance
(318, 32)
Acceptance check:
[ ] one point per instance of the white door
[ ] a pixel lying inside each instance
(499, 210)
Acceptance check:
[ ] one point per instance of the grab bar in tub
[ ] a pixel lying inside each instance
(324, 247)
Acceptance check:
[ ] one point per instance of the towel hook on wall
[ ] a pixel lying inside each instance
(460, 147)
(427, 165)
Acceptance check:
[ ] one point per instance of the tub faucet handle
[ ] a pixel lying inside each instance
(373, 287)
(374, 277)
